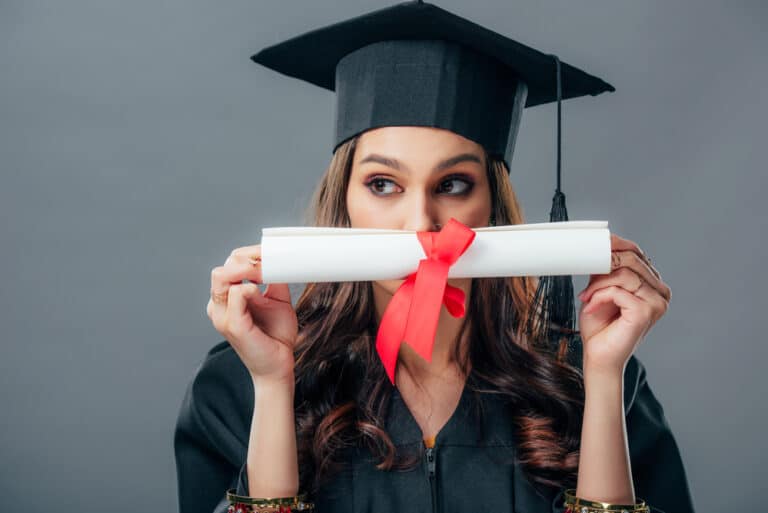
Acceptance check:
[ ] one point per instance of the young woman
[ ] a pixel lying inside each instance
(296, 399)
(300, 392)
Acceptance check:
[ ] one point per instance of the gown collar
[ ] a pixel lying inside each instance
(480, 419)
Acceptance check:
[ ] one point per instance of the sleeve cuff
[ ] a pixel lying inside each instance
(558, 503)
(242, 480)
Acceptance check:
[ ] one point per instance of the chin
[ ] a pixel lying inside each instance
(390, 286)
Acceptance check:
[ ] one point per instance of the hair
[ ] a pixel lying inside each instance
(342, 389)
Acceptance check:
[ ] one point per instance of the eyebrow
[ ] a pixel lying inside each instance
(396, 164)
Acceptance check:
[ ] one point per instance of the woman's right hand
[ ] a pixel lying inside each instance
(262, 328)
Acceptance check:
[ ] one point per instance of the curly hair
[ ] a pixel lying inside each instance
(343, 387)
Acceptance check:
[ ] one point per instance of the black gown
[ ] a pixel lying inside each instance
(472, 467)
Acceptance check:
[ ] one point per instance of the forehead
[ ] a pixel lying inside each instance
(415, 142)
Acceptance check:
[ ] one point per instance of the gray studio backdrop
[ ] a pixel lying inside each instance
(139, 146)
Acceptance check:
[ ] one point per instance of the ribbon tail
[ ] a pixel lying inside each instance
(424, 314)
(454, 301)
(391, 327)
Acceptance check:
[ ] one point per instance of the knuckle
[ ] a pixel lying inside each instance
(647, 310)
(239, 252)
(246, 252)
(626, 272)
(217, 274)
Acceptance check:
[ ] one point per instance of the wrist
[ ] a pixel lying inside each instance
(603, 380)
(274, 383)
(601, 370)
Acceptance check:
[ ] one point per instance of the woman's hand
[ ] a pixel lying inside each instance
(262, 328)
(619, 308)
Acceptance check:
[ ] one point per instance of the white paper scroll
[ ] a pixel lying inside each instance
(317, 254)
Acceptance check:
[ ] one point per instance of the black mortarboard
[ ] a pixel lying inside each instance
(419, 65)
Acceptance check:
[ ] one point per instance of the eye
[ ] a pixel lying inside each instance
(455, 186)
(452, 186)
(380, 186)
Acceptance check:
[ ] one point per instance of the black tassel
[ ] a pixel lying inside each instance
(554, 299)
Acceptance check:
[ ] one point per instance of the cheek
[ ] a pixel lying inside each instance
(363, 209)
(474, 212)
(357, 206)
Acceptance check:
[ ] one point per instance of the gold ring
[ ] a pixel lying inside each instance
(254, 261)
(615, 260)
(650, 265)
(220, 298)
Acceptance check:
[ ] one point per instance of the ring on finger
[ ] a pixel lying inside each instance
(615, 260)
(650, 265)
(254, 261)
(220, 298)
(645, 257)
(642, 282)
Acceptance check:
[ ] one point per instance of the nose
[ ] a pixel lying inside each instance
(420, 215)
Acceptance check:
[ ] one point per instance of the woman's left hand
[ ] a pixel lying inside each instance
(619, 308)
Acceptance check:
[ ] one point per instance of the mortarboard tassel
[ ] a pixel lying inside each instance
(554, 295)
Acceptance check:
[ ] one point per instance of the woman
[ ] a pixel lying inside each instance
(296, 399)
(339, 386)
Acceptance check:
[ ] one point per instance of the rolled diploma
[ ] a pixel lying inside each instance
(319, 254)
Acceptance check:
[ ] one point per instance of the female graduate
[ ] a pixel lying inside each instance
(297, 401)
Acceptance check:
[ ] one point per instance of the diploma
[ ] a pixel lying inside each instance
(322, 254)
(425, 261)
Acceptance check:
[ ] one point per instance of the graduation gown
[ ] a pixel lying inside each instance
(470, 468)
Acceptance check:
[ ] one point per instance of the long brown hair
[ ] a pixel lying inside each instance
(344, 391)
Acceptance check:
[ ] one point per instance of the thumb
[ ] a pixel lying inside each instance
(278, 292)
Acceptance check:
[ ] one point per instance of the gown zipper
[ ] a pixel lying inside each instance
(431, 472)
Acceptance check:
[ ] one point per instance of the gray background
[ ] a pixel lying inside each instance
(139, 146)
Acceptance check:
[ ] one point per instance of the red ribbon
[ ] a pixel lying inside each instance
(414, 309)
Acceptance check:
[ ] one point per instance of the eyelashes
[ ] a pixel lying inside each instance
(375, 183)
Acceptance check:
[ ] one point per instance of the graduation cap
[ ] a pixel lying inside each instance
(415, 64)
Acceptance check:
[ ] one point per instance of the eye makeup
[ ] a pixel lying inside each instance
(380, 181)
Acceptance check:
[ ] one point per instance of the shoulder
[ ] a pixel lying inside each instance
(218, 403)
(222, 379)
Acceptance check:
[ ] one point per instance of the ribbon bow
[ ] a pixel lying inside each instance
(414, 309)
